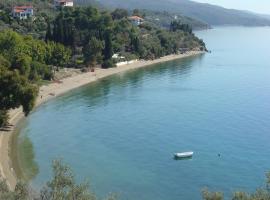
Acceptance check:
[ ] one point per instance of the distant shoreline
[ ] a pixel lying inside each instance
(52, 90)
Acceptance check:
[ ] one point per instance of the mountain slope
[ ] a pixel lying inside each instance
(213, 15)
(164, 19)
(155, 17)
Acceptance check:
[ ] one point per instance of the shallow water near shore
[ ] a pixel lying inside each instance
(120, 133)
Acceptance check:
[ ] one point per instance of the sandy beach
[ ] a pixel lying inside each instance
(52, 90)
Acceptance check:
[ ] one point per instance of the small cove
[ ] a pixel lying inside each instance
(120, 133)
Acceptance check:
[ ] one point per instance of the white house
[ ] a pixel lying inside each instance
(136, 20)
(63, 3)
(22, 12)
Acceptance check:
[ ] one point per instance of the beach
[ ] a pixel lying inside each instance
(55, 89)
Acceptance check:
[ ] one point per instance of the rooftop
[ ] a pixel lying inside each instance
(136, 18)
(64, 1)
(18, 9)
(23, 7)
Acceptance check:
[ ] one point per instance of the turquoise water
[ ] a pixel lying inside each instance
(121, 132)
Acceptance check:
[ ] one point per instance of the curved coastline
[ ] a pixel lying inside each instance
(53, 90)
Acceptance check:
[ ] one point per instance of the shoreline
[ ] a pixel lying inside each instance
(52, 90)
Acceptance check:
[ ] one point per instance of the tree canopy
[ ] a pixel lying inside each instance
(260, 194)
(23, 61)
(82, 28)
(15, 90)
(62, 186)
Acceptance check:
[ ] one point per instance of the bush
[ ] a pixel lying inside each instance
(40, 71)
(61, 186)
(108, 64)
(3, 118)
(262, 193)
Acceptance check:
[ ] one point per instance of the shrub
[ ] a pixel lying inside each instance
(3, 118)
(108, 64)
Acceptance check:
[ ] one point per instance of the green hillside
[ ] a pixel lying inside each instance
(213, 15)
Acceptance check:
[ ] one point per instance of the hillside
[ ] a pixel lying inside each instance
(213, 15)
(160, 18)
(265, 16)
(164, 19)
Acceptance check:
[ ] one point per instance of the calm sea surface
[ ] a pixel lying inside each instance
(121, 132)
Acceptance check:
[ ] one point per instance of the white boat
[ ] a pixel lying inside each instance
(183, 155)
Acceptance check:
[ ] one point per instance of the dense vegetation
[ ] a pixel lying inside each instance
(164, 19)
(23, 62)
(158, 17)
(62, 186)
(101, 34)
(260, 194)
(213, 15)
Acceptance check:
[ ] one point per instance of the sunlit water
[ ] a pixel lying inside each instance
(121, 132)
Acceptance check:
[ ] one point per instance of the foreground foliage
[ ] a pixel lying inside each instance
(62, 186)
(260, 194)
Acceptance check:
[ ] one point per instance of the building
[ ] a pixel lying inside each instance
(63, 3)
(136, 20)
(22, 12)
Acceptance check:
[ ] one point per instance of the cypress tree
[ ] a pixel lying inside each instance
(108, 50)
(49, 35)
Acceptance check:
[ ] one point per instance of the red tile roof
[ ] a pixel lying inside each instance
(136, 18)
(18, 9)
(23, 7)
(64, 1)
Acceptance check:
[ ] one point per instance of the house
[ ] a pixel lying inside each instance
(136, 20)
(63, 3)
(22, 12)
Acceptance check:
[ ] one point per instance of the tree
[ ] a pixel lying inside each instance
(108, 64)
(108, 50)
(260, 194)
(92, 52)
(59, 54)
(119, 14)
(211, 195)
(3, 118)
(40, 71)
(177, 25)
(62, 186)
(136, 12)
(49, 35)
(28, 97)
(135, 43)
(15, 91)
(240, 196)
(20, 193)
(22, 64)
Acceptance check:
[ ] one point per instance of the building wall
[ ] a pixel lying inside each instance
(64, 4)
(136, 22)
(69, 4)
(24, 14)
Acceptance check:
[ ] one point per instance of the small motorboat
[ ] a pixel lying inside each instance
(183, 155)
